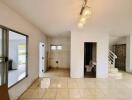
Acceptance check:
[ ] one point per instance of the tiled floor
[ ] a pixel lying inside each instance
(64, 88)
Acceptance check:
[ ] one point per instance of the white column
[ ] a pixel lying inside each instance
(77, 53)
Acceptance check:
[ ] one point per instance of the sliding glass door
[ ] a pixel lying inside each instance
(13, 56)
(3, 57)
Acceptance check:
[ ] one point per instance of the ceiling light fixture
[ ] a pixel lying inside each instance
(85, 13)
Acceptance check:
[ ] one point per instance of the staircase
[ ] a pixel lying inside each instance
(113, 72)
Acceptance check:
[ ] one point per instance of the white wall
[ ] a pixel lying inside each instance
(14, 21)
(63, 56)
(77, 52)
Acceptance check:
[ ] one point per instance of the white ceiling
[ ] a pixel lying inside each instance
(55, 17)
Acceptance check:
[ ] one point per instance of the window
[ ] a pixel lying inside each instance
(59, 47)
(56, 47)
(53, 47)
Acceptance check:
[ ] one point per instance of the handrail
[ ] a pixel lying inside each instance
(112, 57)
(112, 53)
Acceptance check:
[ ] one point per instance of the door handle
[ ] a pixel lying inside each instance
(6, 59)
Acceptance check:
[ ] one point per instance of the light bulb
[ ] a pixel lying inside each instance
(83, 19)
(87, 11)
(80, 25)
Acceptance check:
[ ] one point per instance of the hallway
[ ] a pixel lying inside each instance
(64, 88)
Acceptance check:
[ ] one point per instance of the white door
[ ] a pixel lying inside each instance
(41, 59)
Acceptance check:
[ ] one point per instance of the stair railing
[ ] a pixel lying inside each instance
(112, 58)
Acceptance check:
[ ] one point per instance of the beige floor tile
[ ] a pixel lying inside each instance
(95, 92)
(50, 94)
(62, 83)
(78, 99)
(62, 94)
(48, 99)
(72, 83)
(33, 93)
(53, 83)
(27, 94)
(97, 98)
(74, 93)
(30, 99)
(120, 98)
(38, 93)
(85, 93)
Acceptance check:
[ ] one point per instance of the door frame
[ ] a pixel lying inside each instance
(41, 69)
(4, 55)
(96, 57)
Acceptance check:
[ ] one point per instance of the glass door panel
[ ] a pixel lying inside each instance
(17, 58)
